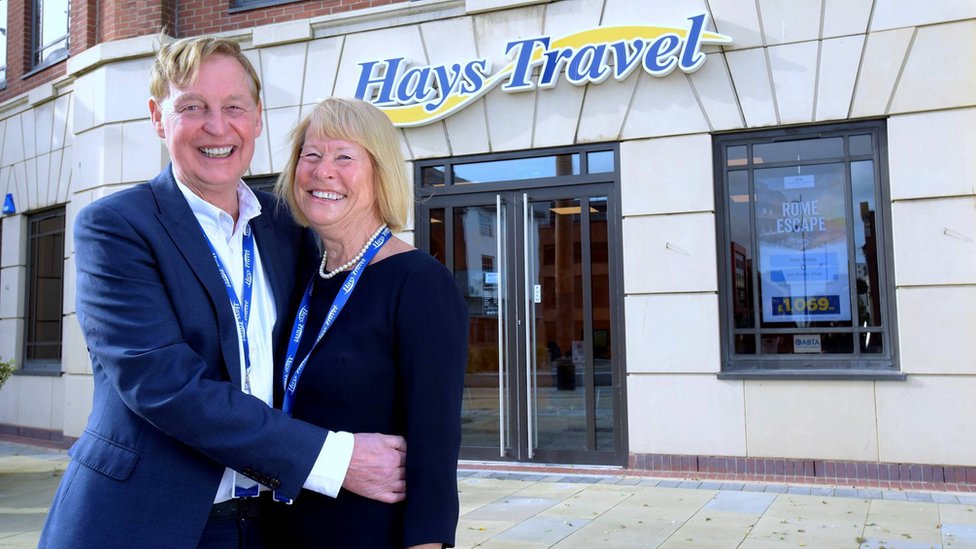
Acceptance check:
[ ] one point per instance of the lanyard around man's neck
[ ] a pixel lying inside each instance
(241, 307)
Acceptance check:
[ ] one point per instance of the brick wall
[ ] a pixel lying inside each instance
(810, 471)
(96, 21)
(128, 18)
(204, 16)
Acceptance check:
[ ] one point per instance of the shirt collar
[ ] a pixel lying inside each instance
(205, 212)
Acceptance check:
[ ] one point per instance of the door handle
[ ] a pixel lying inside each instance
(526, 218)
(500, 277)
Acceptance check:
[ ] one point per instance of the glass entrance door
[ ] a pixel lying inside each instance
(537, 272)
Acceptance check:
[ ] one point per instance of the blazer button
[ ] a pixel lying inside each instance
(274, 483)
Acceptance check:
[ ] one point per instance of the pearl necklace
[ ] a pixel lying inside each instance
(351, 262)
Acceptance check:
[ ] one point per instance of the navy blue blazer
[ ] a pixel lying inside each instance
(168, 414)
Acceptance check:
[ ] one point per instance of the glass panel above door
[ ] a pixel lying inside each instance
(515, 169)
(545, 166)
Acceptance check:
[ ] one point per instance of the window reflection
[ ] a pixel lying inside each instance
(860, 145)
(741, 249)
(50, 31)
(516, 169)
(736, 156)
(432, 177)
(3, 43)
(45, 280)
(599, 162)
(865, 244)
(476, 271)
(798, 151)
(437, 236)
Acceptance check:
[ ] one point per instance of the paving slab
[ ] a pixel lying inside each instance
(713, 529)
(740, 502)
(805, 521)
(547, 530)
(612, 531)
(902, 523)
(959, 535)
(473, 532)
(591, 502)
(560, 490)
(512, 508)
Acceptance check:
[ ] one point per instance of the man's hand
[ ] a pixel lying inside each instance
(377, 469)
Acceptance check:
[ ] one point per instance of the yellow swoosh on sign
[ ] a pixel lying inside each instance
(406, 116)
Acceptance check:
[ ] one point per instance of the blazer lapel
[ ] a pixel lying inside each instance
(270, 250)
(176, 218)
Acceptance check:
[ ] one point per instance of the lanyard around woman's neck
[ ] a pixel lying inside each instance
(290, 380)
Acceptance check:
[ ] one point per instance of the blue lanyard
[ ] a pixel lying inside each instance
(242, 307)
(289, 380)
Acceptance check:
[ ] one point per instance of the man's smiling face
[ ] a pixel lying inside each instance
(210, 126)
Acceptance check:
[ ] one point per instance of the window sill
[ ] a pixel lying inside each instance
(40, 370)
(824, 374)
(257, 4)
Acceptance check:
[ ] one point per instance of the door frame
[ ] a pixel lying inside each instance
(475, 194)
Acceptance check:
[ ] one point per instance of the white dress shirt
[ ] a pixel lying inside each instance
(227, 240)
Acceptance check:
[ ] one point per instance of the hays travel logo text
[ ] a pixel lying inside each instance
(419, 95)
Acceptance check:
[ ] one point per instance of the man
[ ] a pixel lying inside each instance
(183, 284)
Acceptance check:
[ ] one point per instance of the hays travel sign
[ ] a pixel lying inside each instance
(419, 95)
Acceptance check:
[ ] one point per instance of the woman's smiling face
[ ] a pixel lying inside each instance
(335, 186)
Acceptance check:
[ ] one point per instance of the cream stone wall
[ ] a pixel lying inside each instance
(811, 419)
(88, 135)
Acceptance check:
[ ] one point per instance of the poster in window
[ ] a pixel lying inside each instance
(803, 244)
(489, 294)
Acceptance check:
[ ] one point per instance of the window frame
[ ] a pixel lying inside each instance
(36, 47)
(237, 6)
(5, 21)
(856, 365)
(42, 365)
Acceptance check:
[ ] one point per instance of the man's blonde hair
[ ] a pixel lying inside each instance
(361, 123)
(178, 63)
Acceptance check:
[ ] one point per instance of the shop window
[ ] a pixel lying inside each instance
(804, 258)
(486, 224)
(1, 251)
(45, 285)
(244, 5)
(49, 32)
(3, 44)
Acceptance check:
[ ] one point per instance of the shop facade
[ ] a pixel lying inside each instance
(724, 236)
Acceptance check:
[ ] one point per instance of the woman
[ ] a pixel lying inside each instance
(394, 349)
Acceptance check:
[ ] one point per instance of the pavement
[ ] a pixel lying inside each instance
(607, 509)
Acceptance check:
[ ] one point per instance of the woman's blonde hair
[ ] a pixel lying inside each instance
(179, 62)
(361, 123)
